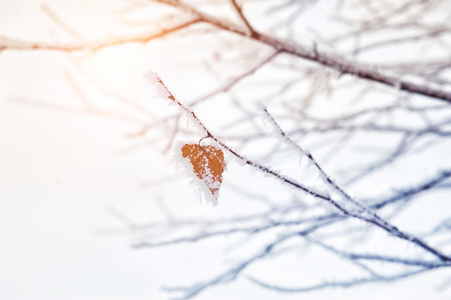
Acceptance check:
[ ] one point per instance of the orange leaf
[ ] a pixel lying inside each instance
(208, 164)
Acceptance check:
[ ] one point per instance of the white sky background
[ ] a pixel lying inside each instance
(64, 175)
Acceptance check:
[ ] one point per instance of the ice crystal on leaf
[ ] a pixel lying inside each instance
(208, 165)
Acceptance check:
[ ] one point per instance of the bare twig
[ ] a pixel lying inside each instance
(357, 210)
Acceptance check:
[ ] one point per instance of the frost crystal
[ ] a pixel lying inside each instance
(208, 165)
(155, 85)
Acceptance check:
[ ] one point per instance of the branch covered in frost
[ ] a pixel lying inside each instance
(401, 195)
(350, 208)
(339, 283)
(333, 61)
(343, 66)
(359, 210)
(7, 43)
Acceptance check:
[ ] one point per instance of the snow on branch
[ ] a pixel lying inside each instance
(333, 61)
(349, 207)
